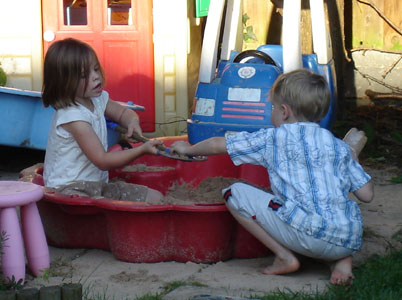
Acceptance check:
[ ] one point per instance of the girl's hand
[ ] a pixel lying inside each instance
(126, 117)
(133, 126)
(150, 146)
(180, 147)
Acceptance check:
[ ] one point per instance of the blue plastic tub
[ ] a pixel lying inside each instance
(25, 122)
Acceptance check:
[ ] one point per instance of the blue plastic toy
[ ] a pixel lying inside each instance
(25, 122)
(234, 96)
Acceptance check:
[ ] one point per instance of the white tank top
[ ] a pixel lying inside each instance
(64, 160)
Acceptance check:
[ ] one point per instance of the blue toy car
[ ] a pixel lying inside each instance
(235, 96)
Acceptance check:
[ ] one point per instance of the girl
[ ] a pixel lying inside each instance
(76, 149)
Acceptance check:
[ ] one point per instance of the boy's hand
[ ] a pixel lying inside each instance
(180, 147)
(356, 140)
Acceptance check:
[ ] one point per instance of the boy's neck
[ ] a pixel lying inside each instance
(292, 119)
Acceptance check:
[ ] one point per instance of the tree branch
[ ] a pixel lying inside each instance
(373, 49)
(394, 89)
(381, 14)
(391, 67)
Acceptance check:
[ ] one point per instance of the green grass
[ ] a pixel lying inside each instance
(167, 288)
(378, 278)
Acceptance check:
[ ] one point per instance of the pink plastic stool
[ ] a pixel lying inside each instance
(25, 195)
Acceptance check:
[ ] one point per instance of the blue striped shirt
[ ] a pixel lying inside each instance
(311, 173)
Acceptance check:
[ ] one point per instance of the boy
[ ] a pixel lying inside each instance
(311, 173)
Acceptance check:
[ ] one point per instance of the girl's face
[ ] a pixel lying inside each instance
(94, 82)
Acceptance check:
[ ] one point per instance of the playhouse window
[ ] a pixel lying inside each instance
(119, 12)
(75, 12)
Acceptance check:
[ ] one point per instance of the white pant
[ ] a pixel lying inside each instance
(252, 203)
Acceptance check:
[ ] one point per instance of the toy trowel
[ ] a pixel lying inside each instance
(162, 150)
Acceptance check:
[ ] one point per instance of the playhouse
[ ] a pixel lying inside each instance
(150, 57)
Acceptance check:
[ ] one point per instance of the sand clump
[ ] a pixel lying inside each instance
(145, 168)
(208, 191)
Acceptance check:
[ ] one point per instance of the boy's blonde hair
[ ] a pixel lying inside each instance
(66, 63)
(305, 92)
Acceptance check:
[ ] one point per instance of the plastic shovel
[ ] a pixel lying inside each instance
(162, 150)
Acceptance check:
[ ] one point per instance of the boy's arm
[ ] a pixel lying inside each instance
(211, 146)
(365, 193)
(356, 140)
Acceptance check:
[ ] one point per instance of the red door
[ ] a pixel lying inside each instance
(120, 31)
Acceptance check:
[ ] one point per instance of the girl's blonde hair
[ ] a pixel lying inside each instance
(66, 63)
(305, 92)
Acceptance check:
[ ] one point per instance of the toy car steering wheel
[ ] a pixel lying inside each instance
(245, 56)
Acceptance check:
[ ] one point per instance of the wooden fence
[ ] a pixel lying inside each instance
(359, 23)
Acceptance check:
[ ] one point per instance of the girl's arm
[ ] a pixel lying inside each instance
(127, 118)
(211, 146)
(93, 149)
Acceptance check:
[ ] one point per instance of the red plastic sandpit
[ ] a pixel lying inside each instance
(138, 232)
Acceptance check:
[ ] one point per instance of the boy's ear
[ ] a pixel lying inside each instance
(286, 112)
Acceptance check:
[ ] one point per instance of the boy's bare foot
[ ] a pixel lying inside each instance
(342, 272)
(282, 266)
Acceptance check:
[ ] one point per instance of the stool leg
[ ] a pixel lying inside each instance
(12, 258)
(35, 240)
